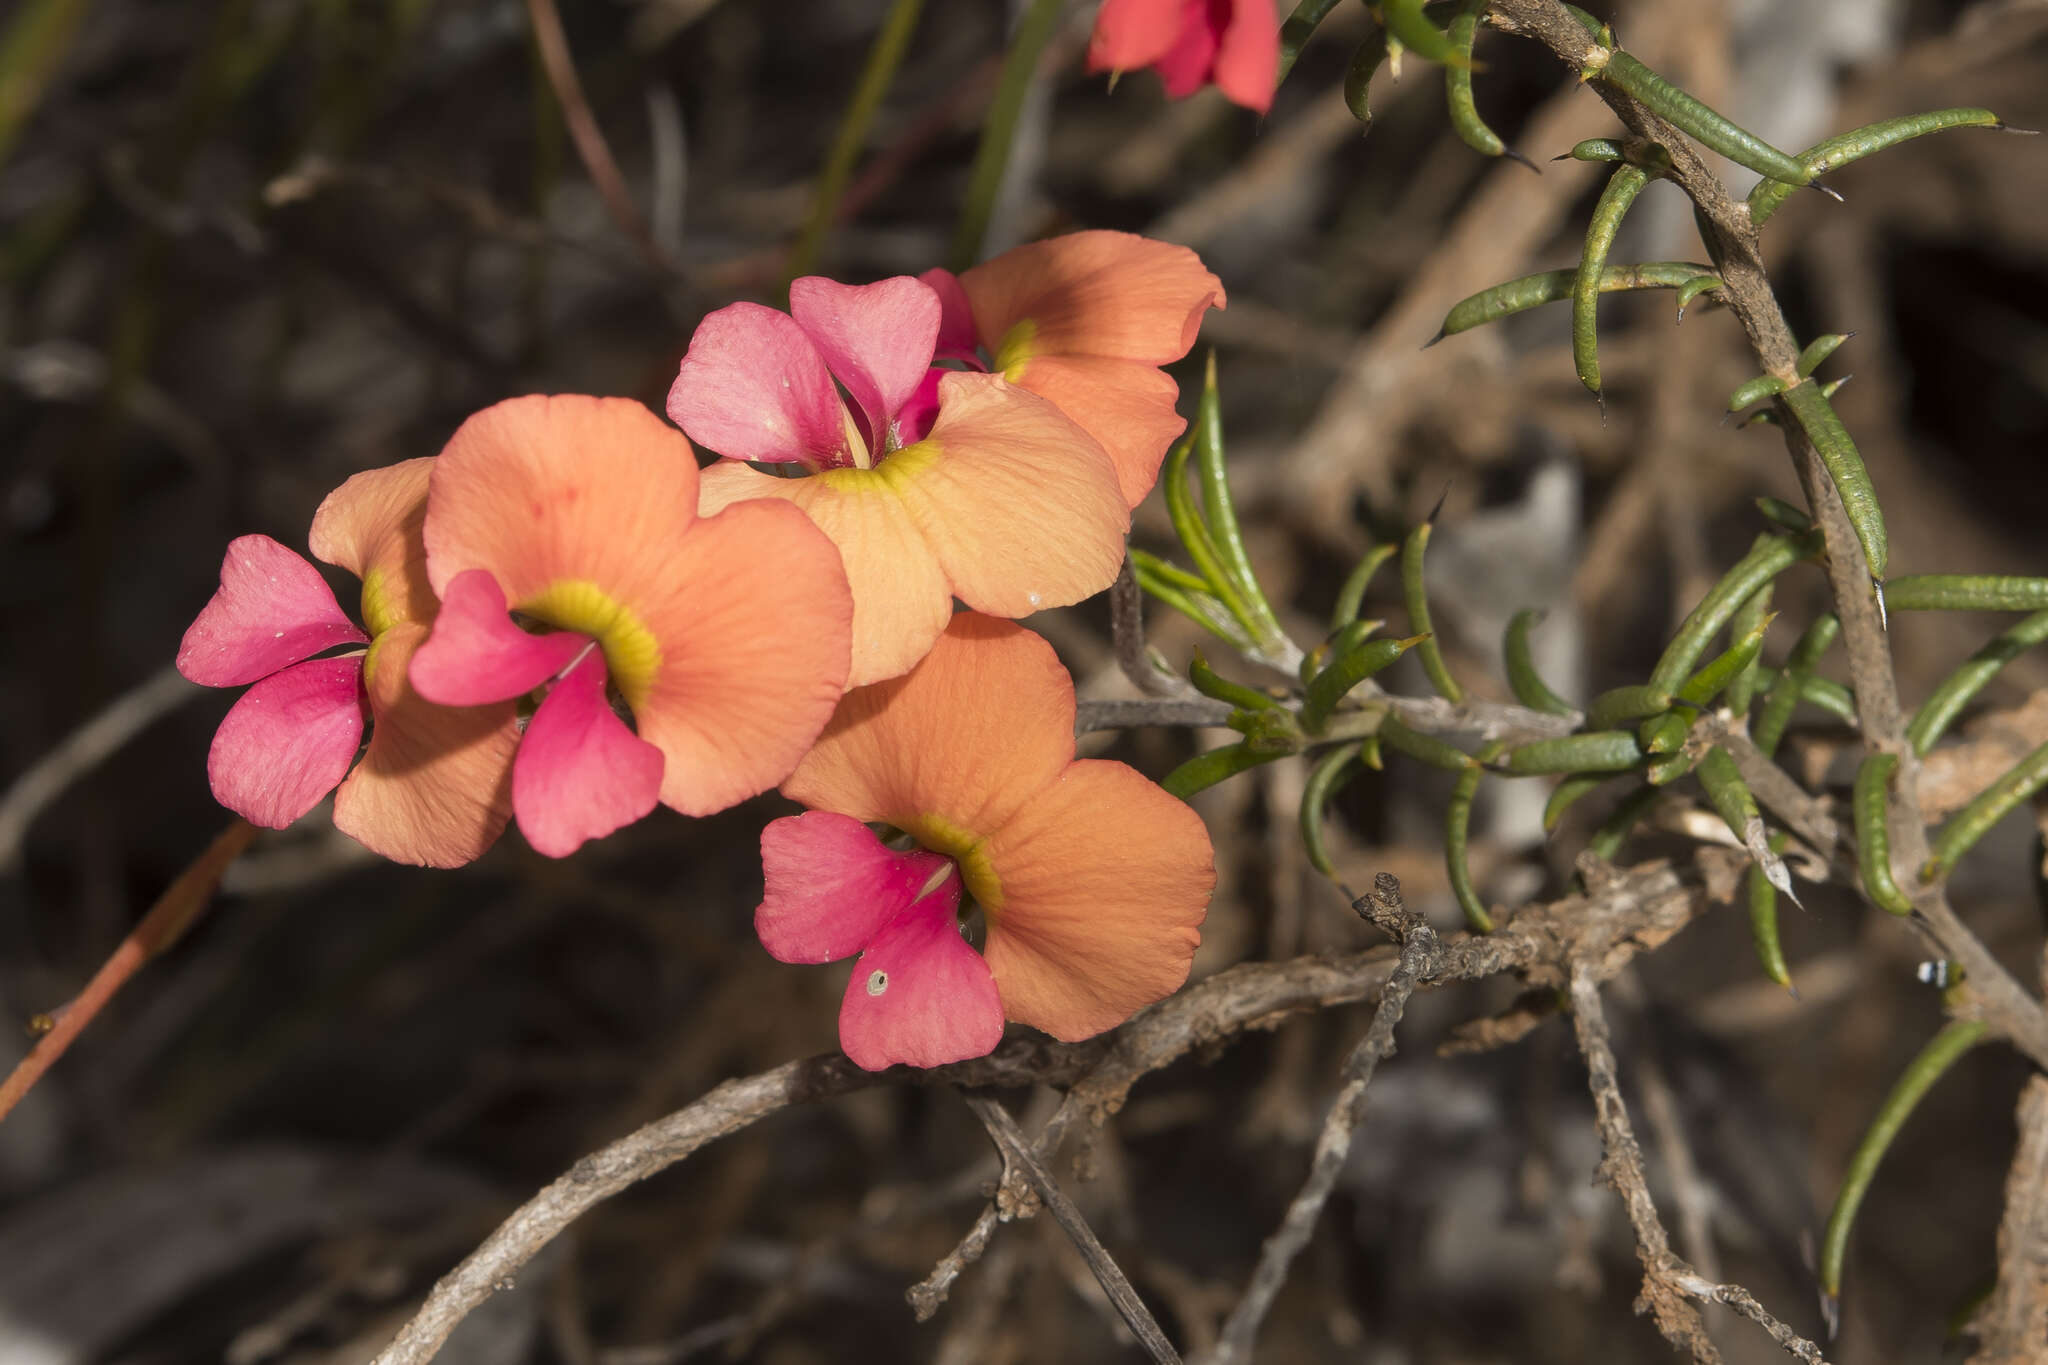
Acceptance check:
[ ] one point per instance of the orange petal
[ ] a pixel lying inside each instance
(435, 786)
(1124, 404)
(981, 724)
(901, 600)
(1094, 293)
(544, 489)
(371, 527)
(1019, 504)
(754, 626)
(1105, 881)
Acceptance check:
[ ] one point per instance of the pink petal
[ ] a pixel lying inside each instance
(580, 773)
(476, 655)
(920, 994)
(1186, 66)
(753, 387)
(957, 338)
(1133, 33)
(878, 338)
(914, 420)
(832, 886)
(272, 609)
(287, 742)
(1248, 60)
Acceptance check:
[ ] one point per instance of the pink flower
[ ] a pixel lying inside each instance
(1093, 880)
(724, 637)
(432, 787)
(933, 485)
(1235, 43)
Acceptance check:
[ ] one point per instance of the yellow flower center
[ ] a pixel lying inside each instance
(631, 653)
(891, 473)
(1015, 350)
(969, 853)
(380, 611)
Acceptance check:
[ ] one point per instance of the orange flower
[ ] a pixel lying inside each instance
(725, 637)
(433, 787)
(1087, 320)
(1094, 881)
(999, 499)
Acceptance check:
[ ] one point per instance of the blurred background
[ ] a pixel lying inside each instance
(248, 248)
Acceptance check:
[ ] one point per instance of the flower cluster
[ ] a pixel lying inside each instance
(565, 623)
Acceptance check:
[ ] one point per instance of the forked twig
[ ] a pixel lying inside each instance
(1670, 1286)
(1017, 1155)
(1422, 957)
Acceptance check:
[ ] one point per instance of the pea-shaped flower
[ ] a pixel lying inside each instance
(932, 486)
(1093, 880)
(564, 538)
(1087, 320)
(433, 787)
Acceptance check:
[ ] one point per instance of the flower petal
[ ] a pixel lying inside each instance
(919, 994)
(956, 339)
(1186, 66)
(581, 773)
(272, 609)
(1126, 405)
(753, 387)
(1021, 507)
(289, 739)
(981, 725)
(914, 420)
(1094, 293)
(372, 526)
(476, 655)
(831, 886)
(1105, 881)
(435, 786)
(877, 338)
(901, 600)
(1133, 33)
(541, 489)
(754, 627)
(1247, 63)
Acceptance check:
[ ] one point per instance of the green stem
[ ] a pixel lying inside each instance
(1934, 1060)
(883, 59)
(992, 157)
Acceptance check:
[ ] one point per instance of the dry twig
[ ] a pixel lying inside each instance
(1422, 957)
(1018, 1156)
(1669, 1285)
(591, 146)
(84, 749)
(171, 916)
